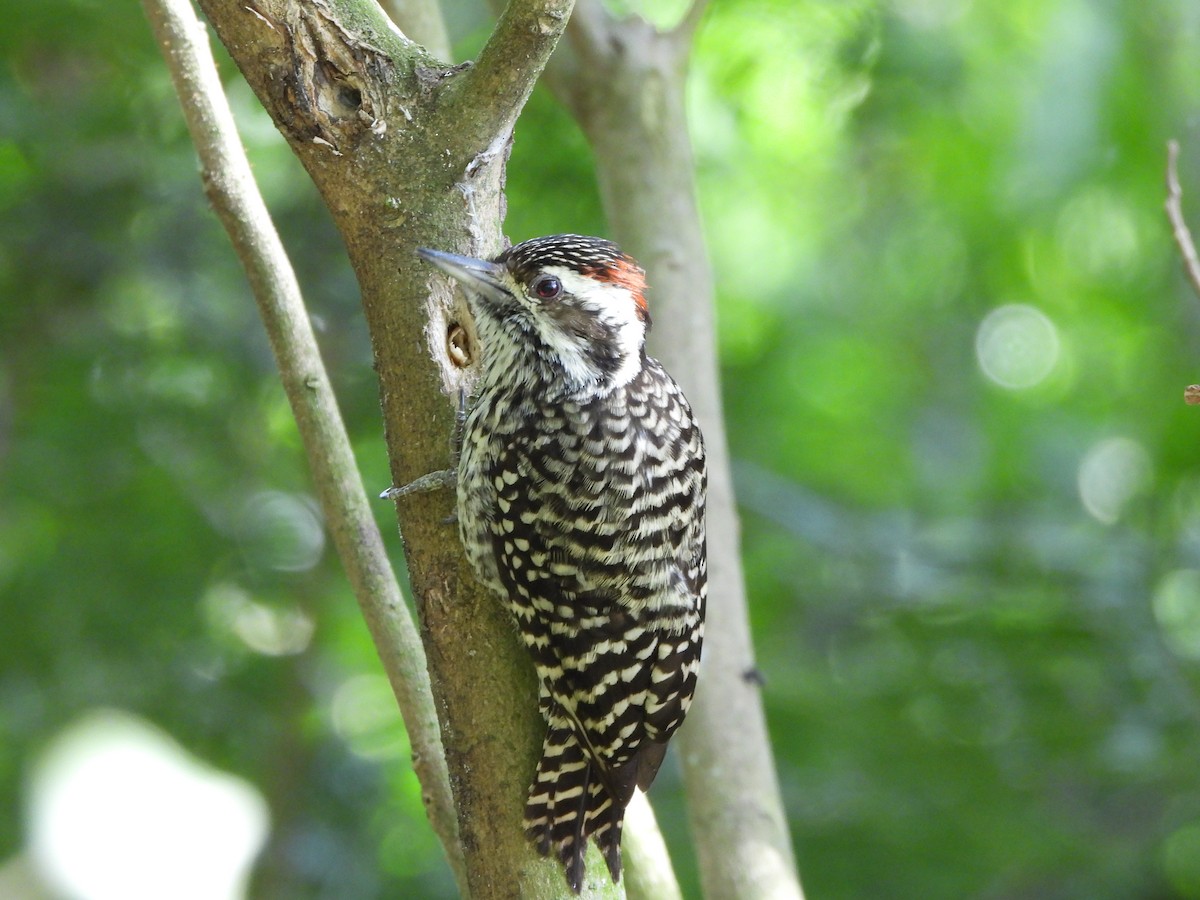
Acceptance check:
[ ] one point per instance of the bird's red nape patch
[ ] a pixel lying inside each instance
(626, 273)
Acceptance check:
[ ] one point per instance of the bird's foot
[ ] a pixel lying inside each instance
(433, 481)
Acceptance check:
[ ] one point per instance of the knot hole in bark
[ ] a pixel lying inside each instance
(336, 96)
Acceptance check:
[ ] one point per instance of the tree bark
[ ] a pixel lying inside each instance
(624, 81)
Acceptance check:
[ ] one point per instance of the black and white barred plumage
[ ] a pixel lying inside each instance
(581, 491)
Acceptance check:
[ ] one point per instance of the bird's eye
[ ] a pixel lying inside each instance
(547, 287)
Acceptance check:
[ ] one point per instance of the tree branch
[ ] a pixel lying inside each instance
(1183, 240)
(686, 29)
(1179, 227)
(648, 871)
(234, 195)
(626, 89)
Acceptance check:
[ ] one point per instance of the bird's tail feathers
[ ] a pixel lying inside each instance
(568, 803)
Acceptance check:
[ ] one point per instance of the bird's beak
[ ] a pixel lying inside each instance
(477, 276)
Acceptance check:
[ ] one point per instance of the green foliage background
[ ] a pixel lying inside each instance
(977, 607)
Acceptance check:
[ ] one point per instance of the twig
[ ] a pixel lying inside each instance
(237, 202)
(1179, 228)
(1183, 240)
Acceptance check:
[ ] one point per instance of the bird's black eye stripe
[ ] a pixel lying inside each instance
(546, 287)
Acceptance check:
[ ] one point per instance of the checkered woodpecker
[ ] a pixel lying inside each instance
(581, 490)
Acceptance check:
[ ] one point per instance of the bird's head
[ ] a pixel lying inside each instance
(573, 307)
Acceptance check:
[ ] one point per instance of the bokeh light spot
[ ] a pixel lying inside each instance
(366, 717)
(1017, 346)
(1113, 472)
(119, 811)
(1181, 860)
(269, 630)
(931, 14)
(1177, 611)
(1100, 236)
(282, 531)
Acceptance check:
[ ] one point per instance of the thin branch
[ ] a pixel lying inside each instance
(626, 90)
(648, 872)
(235, 198)
(1179, 228)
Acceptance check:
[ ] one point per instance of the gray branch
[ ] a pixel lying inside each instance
(625, 85)
(1179, 227)
(648, 871)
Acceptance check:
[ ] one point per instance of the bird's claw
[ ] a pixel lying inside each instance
(432, 481)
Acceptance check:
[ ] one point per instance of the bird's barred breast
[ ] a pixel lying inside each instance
(589, 517)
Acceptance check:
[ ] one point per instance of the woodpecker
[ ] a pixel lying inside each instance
(581, 492)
